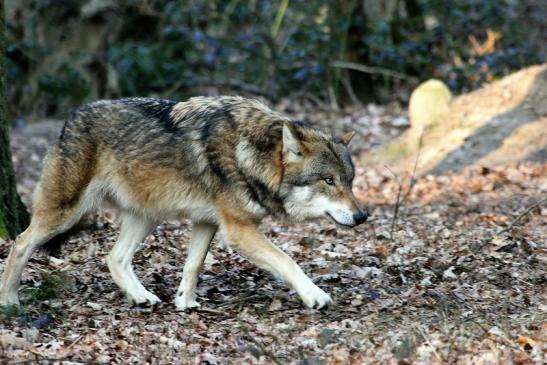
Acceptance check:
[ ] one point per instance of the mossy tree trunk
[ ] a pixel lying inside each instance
(13, 213)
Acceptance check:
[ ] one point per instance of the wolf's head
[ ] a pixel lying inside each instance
(318, 176)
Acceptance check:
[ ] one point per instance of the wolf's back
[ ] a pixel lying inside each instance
(142, 125)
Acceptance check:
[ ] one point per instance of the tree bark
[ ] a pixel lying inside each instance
(13, 213)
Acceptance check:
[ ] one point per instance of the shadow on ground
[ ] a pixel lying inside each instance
(492, 134)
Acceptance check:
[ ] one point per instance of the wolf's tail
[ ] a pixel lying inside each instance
(59, 201)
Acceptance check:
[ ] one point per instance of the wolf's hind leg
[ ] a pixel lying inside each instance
(134, 230)
(202, 235)
(59, 203)
(251, 243)
(44, 226)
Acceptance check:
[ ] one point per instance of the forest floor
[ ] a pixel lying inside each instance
(458, 277)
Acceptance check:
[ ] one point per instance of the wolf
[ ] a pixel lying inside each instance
(223, 162)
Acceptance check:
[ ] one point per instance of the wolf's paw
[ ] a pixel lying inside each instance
(316, 298)
(183, 302)
(143, 299)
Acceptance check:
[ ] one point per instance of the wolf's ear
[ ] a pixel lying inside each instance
(346, 138)
(292, 148)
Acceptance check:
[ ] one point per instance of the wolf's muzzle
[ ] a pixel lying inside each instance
(360, 217)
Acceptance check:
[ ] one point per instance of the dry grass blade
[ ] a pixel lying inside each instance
(399, 202)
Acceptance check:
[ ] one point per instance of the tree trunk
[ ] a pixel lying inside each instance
(13, 214)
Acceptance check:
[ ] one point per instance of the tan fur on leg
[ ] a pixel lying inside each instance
(41, 230)
(245, 238)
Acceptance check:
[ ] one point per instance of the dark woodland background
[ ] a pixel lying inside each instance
(65, 52)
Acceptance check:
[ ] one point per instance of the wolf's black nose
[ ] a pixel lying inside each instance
(360, 217)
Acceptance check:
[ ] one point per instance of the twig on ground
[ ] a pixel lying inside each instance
(74, 343)
(210, 310)
(521, 215)
(483, 242)
(242, 299)
(426, 338)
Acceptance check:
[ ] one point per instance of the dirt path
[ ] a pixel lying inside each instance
(500, 123)
(441, 288)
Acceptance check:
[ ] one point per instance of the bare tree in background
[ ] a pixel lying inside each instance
(13, 213)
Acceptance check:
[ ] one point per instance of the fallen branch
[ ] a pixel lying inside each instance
(371, 69)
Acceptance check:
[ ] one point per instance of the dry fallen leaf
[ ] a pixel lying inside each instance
(381, 251)
(526, 341)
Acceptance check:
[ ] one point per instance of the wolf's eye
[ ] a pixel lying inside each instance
(329, 180)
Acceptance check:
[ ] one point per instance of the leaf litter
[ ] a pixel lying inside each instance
(445, 287)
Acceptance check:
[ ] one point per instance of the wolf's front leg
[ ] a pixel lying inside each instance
(202, 235)
(245, 237)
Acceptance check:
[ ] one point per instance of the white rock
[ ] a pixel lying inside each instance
(449, 274)
(366, 272)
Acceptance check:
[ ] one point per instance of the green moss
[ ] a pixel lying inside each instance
(3, 230)
(51, 287)
(10, 311)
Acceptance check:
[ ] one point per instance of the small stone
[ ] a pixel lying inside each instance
(94, 306)
(449, 274)
(306, 241)
(275, 305)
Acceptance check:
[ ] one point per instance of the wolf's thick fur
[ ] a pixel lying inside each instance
(223, 162)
